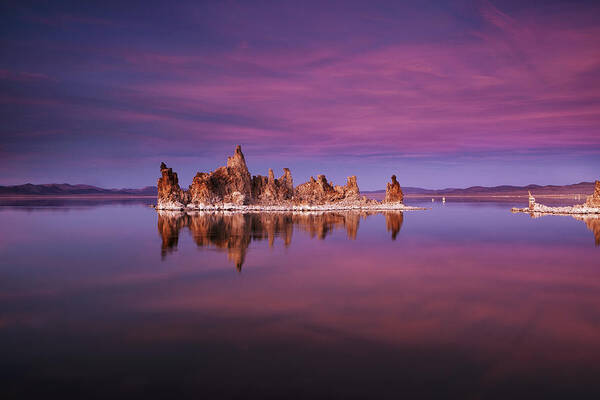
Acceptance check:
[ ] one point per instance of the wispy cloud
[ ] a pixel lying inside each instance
(22, 75)
(418, 81)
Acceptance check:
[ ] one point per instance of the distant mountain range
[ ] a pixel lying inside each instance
(65, 189)
(584, 188)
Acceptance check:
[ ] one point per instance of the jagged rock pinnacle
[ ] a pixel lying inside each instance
(594, 199)
(393, 192)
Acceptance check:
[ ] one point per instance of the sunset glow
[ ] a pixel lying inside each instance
(472, 93)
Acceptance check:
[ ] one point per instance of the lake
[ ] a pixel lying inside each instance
(110, 299)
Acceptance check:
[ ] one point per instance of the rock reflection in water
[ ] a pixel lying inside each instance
(591, 221)
(593, 224)
(233, 232)
(393, 223)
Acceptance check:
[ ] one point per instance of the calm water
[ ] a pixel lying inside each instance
(110, 299)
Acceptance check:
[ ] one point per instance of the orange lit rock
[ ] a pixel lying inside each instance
(232, 187)
(170, 195)
(393, 192)
(594, 199)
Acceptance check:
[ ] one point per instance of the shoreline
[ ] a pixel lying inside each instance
(369, 195)
(76, 196)
(283, 208)
(545, 210)
(508, 196)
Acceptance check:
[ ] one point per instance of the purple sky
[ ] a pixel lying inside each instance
(472, 93)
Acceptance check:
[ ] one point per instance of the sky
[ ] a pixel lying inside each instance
(440, 93)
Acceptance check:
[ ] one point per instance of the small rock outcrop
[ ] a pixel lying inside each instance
(594, 199)
(170, 195)
(393, 192)
(531, 200)
(590, 207)
(232, 187)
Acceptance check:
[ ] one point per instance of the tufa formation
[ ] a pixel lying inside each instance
(393, 192)
(591, 206)
(169, 191)
(594, 199)
(232, 186)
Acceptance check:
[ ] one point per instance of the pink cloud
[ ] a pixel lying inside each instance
(361, 84)
(22, 76)
(511, 85)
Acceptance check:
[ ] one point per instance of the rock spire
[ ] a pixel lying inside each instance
(393, 192)
(594, 199)
(170, 195)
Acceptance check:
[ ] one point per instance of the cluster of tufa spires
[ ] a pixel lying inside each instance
(233, 185)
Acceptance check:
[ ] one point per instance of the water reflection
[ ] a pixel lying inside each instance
(591, 221)
(63, 204)
(233, 232)
(593, 224)
(469, 302)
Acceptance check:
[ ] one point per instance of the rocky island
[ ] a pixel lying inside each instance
(591, 206)
(231, 187)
